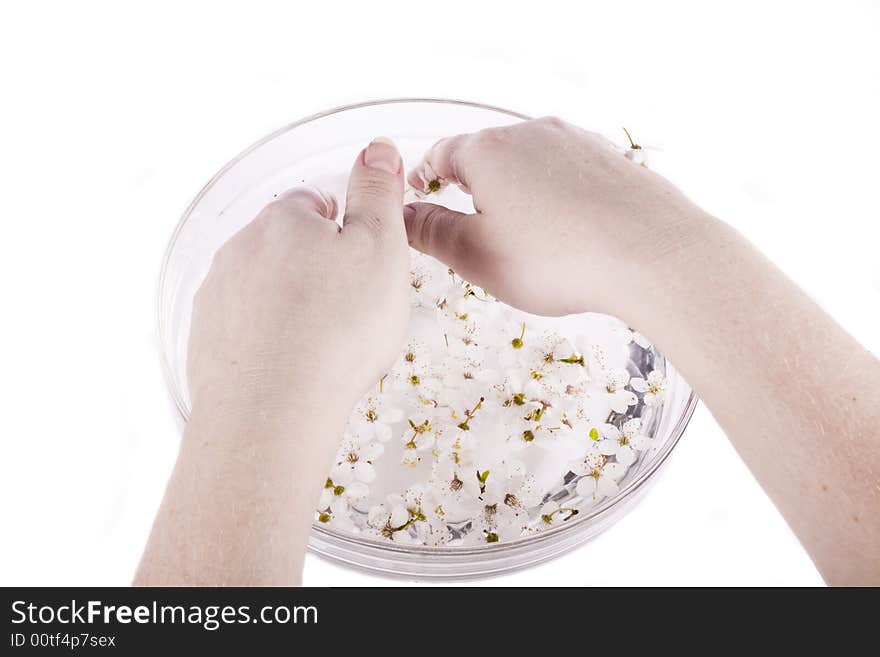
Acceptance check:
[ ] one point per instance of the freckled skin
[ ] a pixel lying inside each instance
(796, 395)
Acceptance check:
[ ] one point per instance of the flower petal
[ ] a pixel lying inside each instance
(608, 447)
(586, 487)
(606, 487)
(626, 455)
(399, 516)
(382, 432)
(641, 442)
(614, 471)
(364, 472)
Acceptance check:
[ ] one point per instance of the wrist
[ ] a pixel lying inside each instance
(680, 267)
(665, 263)
(239, 417)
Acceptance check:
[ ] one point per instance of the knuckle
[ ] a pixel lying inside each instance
(376, 186)
(486, 138)
(430, 228)
(553, 122)
(270, 219)
(371, 223)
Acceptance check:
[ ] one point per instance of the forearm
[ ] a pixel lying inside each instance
(240, 502)
(797, 396)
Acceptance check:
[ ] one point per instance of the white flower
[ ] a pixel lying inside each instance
(373, 416)
(427, 180)
(421, 435)
(341, 493)
(465, 380)
(573, 410)
(462, 317)
(413, 374)
(556, 364)
(355, 461)
(623, 443)
(517, 389)
(512, 352)
(433, 530)
(600, 478)
(521, 489)
(456, 489)
(391, 520)
(415, 361)
(430, 281)
(340, 521)
(619, 399)
(633, 336)
(535, 424)
(498, 522)
(653, 388)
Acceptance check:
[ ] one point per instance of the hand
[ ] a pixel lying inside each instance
(565, 222)
(297, 313)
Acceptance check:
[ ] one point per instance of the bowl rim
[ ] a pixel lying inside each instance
(327, 533)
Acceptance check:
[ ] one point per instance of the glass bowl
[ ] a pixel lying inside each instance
(319, 150)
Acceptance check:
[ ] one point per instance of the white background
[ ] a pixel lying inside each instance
(112, 117)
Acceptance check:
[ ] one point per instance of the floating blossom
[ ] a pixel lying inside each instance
(465, 379)
(499, 417)
(600, 478)
(373, 416)
(653, 388)
(632, 336)
(574, 414)
(413, 374)
(391, 520)
(343, 492)
(413, 365)
(536, 423)
(498, 522)
(623, 443)
(421, 433)
(618, 397)
(513, 352)
(456, 489)
(355, 461)
(429, 281)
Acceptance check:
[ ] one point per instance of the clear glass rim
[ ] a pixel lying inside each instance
(329, 534)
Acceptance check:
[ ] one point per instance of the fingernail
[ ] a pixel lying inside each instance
(382, 154)
(409, 213)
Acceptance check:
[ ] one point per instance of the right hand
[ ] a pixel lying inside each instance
(565, 223)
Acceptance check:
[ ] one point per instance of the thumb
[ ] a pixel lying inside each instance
(445, 234)
(375, 189)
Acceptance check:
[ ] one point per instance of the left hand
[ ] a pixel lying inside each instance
(298, 314)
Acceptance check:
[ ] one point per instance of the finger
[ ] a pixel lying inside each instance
(445, 234)
(309, 199)
(442, 165)
(375, 190)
